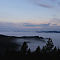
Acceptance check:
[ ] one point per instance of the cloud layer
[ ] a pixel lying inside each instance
(6, 27)
(43, 27)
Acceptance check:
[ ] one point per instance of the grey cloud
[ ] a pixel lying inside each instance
(45, 5)
(39, 3)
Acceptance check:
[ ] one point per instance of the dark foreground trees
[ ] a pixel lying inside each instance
(49, 50)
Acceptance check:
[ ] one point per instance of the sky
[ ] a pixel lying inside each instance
(43, 14)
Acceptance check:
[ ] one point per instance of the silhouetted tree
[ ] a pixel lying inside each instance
(49, 45)
(54, 52)
(29, 52)
(55, 49)
(38, 50)
(24, 48)
(58, 52)
(44, 50)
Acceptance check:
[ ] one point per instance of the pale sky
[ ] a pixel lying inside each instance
(30, 11)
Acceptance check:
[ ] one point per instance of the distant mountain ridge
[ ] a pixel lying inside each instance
(48, 31)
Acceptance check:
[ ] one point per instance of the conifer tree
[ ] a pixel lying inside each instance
(24, 48)
(38, 50)
(49, 45)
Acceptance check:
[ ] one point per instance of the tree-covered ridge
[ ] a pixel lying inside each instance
(49, 50)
